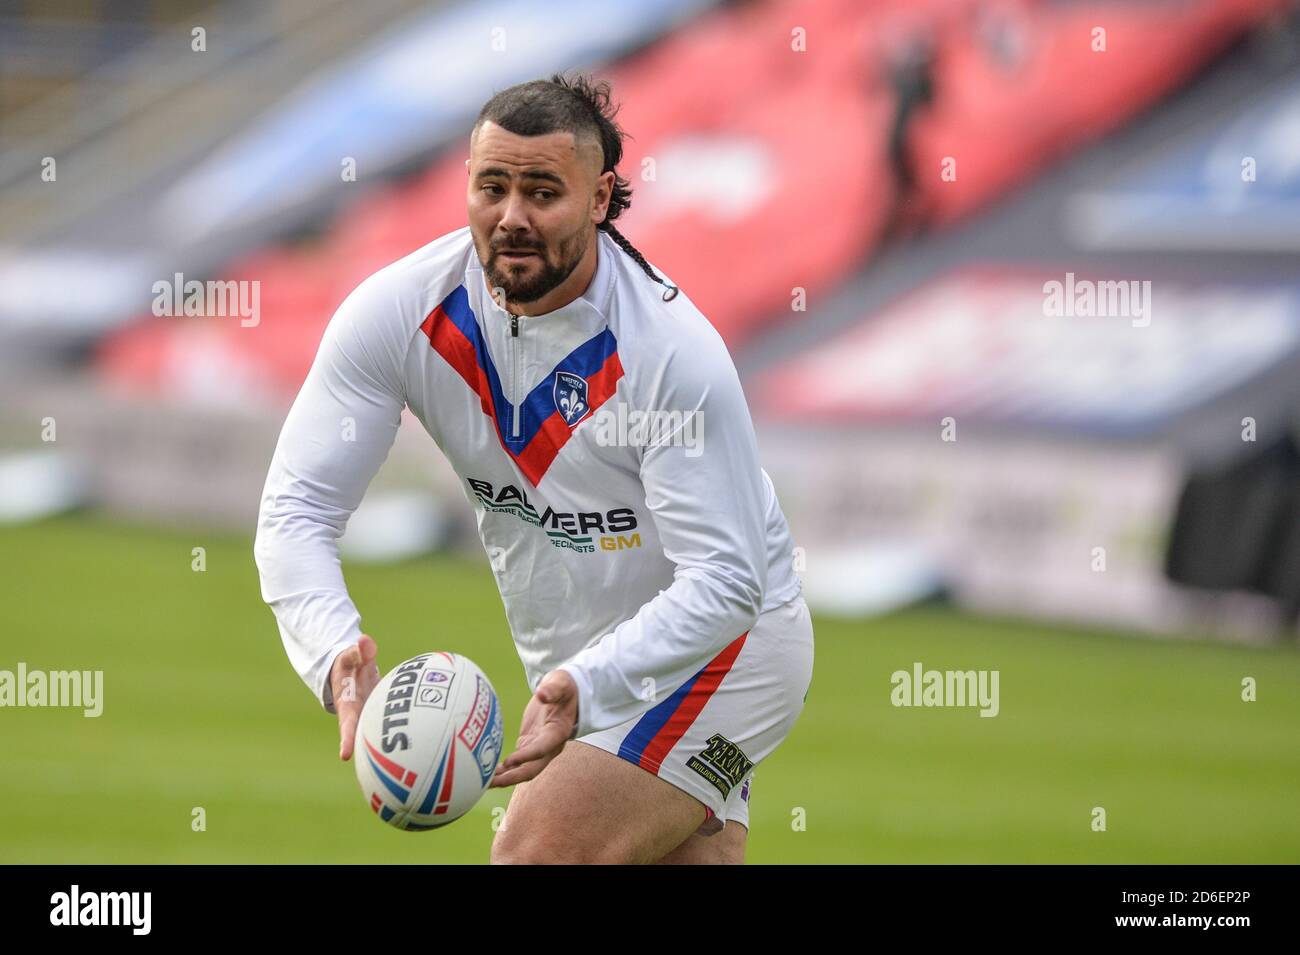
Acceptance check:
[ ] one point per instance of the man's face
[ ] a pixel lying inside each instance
(532, 204)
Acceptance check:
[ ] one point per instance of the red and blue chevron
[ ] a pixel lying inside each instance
(454, 334)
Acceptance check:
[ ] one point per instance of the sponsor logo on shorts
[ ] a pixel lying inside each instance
(722, 763)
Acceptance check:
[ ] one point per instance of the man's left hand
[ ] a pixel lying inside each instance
(549, 719)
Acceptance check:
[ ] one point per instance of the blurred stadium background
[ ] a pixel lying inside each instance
(867, 197)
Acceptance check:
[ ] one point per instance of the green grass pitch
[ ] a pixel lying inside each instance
(201, 709)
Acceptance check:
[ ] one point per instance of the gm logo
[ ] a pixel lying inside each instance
(620, 542)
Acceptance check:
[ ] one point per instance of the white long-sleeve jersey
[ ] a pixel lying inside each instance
(607, 450)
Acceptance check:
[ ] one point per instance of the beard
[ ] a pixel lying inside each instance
(514, 278)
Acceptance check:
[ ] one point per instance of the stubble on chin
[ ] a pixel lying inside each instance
(509, 281)
(545, 280)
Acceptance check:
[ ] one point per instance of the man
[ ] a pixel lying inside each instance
(646, 572)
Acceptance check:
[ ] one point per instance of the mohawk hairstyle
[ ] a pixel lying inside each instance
(583, 107)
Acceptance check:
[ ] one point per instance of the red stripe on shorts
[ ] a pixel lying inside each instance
(705, 684)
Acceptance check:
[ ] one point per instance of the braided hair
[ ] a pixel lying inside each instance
(580, 106)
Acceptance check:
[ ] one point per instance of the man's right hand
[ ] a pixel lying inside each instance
(352, 677)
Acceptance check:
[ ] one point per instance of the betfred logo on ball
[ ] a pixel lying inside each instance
(428, 741)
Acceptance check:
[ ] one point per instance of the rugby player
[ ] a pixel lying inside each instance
(647, 581)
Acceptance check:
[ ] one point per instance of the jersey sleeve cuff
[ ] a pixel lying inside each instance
(324, 692)
(584, 698)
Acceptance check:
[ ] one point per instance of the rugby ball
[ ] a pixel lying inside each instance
(428, 741)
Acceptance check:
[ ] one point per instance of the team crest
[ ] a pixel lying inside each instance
(570, 397)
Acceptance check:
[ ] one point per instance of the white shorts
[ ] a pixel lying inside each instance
(707, 737)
